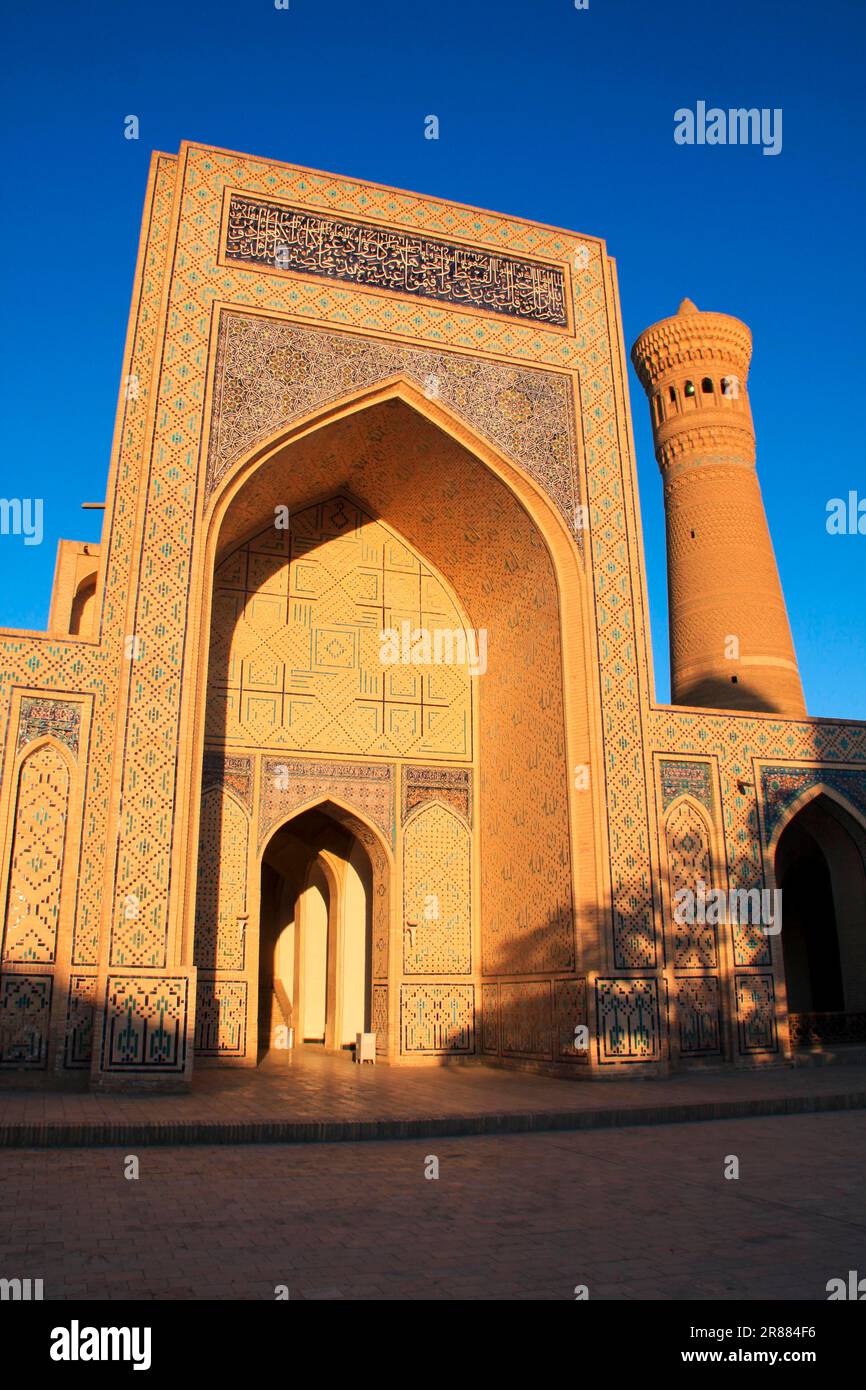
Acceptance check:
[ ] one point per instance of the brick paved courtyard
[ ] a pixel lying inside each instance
(631, 1212)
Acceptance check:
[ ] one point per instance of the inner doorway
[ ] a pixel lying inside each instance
(315, 956)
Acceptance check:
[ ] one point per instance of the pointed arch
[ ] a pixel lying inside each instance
(395, 387)
(817, 859)
(800, 802)
(343, 811)
(689, 861)
(38, 858)
(437, 892)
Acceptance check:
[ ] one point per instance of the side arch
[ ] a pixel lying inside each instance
(437, 892)
(805, 798)
(695, 947)
(817, 858)
(38, 893)
(36, 886)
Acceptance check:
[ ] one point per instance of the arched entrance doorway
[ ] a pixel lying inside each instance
(820, 866)
(450, 735)
(315, 943)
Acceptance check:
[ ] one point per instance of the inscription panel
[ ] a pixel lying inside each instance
(263, 233)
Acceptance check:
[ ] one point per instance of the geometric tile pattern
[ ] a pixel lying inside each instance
(756, 1013)
(151, 681)
(379, 1017)
(437, 1018)
(269, 372)
(296, 649)
(221, 897)
(699, 1021)
(751, 944)
(33, 901)
(25, 1012)
(145, 1024)
(689, 856)
(628, 1020)
(221, 1018)
(437, 896)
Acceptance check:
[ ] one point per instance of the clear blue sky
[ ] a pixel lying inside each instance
(551, 113)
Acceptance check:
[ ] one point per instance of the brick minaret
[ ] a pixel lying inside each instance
(731, 644)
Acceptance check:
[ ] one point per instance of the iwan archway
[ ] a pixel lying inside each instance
(377, 518)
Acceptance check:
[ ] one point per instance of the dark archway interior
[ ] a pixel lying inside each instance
(810, 940)
(79, 620)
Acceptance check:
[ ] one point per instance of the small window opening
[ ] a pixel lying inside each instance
(673, 396)
(707, 386)
(690, 388)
